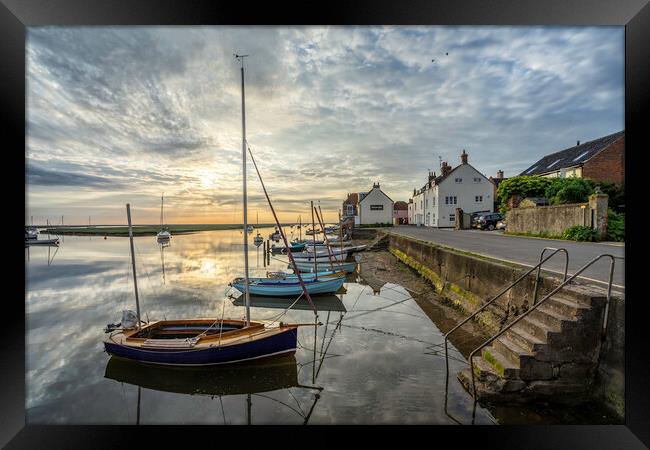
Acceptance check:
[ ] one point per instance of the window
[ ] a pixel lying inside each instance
(580, 156)
(376, 207)
(458, 180)
(421, 204)
(450, 200)
(349, 210)
(427, 203)
(551, 165)
(531, 169)
(478, 198)
(477, 180)
(452, 217)
(433, 202)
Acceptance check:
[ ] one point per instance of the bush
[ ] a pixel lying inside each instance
(615, 226)
(526, 186)
(580, 233)
(569, 190)
(376, 225)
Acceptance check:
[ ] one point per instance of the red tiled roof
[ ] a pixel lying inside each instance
(352, 199)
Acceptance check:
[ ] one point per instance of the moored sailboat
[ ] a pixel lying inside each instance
(164, 234)
(200, 341)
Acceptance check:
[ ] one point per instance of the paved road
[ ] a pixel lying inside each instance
(526, 251)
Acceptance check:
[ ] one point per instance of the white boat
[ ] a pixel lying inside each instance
(335, 250)
(309, 257)
(31, 233)
(163, 234)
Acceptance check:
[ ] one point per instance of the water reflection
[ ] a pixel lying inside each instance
(377, 356)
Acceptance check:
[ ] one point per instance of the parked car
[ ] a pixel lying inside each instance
(476, 216)
(501, 225)
(488, 221)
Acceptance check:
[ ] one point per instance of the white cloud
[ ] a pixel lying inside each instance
(329, 109)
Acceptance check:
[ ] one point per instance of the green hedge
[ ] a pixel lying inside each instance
(376, 225)
(558, 190)
(580, 233)
(615, 226)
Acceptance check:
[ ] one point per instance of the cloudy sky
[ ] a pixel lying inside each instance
(123, 114)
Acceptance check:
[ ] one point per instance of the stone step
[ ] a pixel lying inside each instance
(551, 318)
(483, 371)
(538, 329)
(511, 350)
(566, 307)
(526, 340)
(502, 365)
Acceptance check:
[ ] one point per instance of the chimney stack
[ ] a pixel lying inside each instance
(463, 157)
(499, 174)
(445, 168)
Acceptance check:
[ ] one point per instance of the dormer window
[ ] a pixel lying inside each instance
(551, 165)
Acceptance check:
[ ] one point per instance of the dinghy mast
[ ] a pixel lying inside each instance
(135, 278)
(245, 233)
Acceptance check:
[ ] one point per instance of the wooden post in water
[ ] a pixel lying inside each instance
(135, 278)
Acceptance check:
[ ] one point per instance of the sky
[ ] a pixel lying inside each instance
(120, 115)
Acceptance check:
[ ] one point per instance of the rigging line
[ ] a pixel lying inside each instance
(375, 310)
(223, 411)
(284, 237)
(280, 402)
(358, 296)
(328, 345)
(287, 310)
(295, 400)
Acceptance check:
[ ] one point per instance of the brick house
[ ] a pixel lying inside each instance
(602, 159)
(400, 213)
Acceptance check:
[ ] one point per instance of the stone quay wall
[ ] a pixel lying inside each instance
(469, 281)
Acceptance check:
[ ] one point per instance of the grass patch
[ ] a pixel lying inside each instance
(493, 362)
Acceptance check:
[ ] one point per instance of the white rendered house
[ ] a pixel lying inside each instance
(434, 205)
(375, 207)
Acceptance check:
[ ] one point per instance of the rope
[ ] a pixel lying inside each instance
(287, 310)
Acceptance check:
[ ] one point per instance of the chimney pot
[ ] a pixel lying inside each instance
(578, 143)
(463, 157)
(499, 174)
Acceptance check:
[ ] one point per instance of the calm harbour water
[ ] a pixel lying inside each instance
(377, 358)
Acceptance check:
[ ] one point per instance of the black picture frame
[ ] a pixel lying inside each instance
(16, 15)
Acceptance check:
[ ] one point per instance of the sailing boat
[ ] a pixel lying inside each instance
(197, 342)
(163, 234)
(258, 239)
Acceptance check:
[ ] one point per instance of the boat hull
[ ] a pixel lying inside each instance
(281, 343)
(283, 288)
(346, 266)
(309, 257)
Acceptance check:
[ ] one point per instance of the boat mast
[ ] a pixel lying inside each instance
(300, 228)
(245, 233)
(313, 227)
(135, 278)
(162, 199)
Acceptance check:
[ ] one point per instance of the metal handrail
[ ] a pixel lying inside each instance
(539, 268)
(535, 306)
(506, 289)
